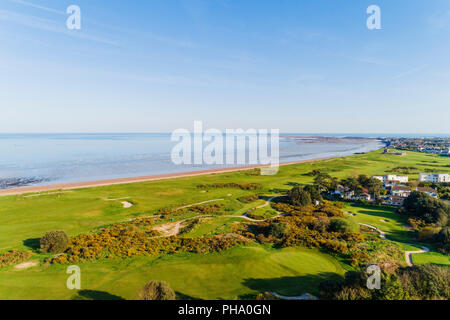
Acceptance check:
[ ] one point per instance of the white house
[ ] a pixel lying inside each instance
(392, 177)
(430, 191)
(400, 191)
(434, 177)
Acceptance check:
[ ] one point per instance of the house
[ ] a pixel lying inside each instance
(400, 191)
(434, 177)
(392, 177)
(394, 201)
(364, 196)
(390, 183)
(430, 191)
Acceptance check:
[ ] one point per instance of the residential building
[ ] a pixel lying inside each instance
(430, 191)
(394, 201)
(400, 191)
(434, 177)
(392, 177)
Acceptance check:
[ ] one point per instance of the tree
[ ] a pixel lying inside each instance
(426, 208)
(157, 290)
(299, 197)
(314, 193)
(322, 181)
(374, 186)
(353, 185)
(54, 242)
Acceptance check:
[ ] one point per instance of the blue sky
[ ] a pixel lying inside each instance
(299, 66)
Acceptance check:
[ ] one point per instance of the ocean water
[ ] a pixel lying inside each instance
(40, 159)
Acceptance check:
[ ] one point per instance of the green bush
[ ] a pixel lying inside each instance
(54, 242)
(299, 197)
(157, 290)
(342, 225)
(278, 230)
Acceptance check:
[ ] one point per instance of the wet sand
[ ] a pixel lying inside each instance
(108, 182)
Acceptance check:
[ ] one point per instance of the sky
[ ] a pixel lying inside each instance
(304, 66)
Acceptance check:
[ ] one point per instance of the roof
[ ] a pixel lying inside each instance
(424, 189)
(401, 188)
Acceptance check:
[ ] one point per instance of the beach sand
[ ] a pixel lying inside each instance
(100, 183)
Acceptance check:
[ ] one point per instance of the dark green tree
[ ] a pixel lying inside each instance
(299, 197)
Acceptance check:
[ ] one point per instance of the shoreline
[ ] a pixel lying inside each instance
(156, 177)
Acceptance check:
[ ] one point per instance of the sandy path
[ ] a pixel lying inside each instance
(382, 233)
(100, 183)
(408, 254)
(26, 265)
(305, 296)
(173, 228)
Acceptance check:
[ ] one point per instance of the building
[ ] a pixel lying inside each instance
(400, 191)
(429, 191)
(392, 177)
(394, 201)
(434, 177)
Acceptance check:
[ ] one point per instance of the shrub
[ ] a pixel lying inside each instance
(249, 198)
(14, 256)
(278, 230)
(157, 290)
(54, 242)
(342, 225)
(299, 197)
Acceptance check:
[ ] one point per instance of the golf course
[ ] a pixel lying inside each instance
(239, 272)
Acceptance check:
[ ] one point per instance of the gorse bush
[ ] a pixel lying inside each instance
(54, 242)
(13, 257)
(157, 290)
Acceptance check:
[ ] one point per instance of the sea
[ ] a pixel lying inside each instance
(42, 159)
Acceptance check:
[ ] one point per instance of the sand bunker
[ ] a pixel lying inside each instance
(126, 204)
(26, 265)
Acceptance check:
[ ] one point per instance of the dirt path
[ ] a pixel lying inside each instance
(408, 254)
(173, 228)
(26, 265)
(382, 233)
(196, 204)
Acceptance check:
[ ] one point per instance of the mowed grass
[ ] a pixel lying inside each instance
(383, 217)
(237, 273)
(431, 257)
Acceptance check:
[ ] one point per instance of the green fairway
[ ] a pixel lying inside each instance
(431, 257)
(228, 274)
(233, 274)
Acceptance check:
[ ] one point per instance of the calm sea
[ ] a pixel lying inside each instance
(39, 159)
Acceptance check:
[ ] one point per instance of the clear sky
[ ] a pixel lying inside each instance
(307, 66)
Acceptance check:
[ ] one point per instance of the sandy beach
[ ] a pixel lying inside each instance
(100, 183)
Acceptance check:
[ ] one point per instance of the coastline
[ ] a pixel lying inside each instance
(108, 182)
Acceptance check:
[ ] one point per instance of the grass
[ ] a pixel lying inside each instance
(231, 274)
(431, 257)
(236, 273)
